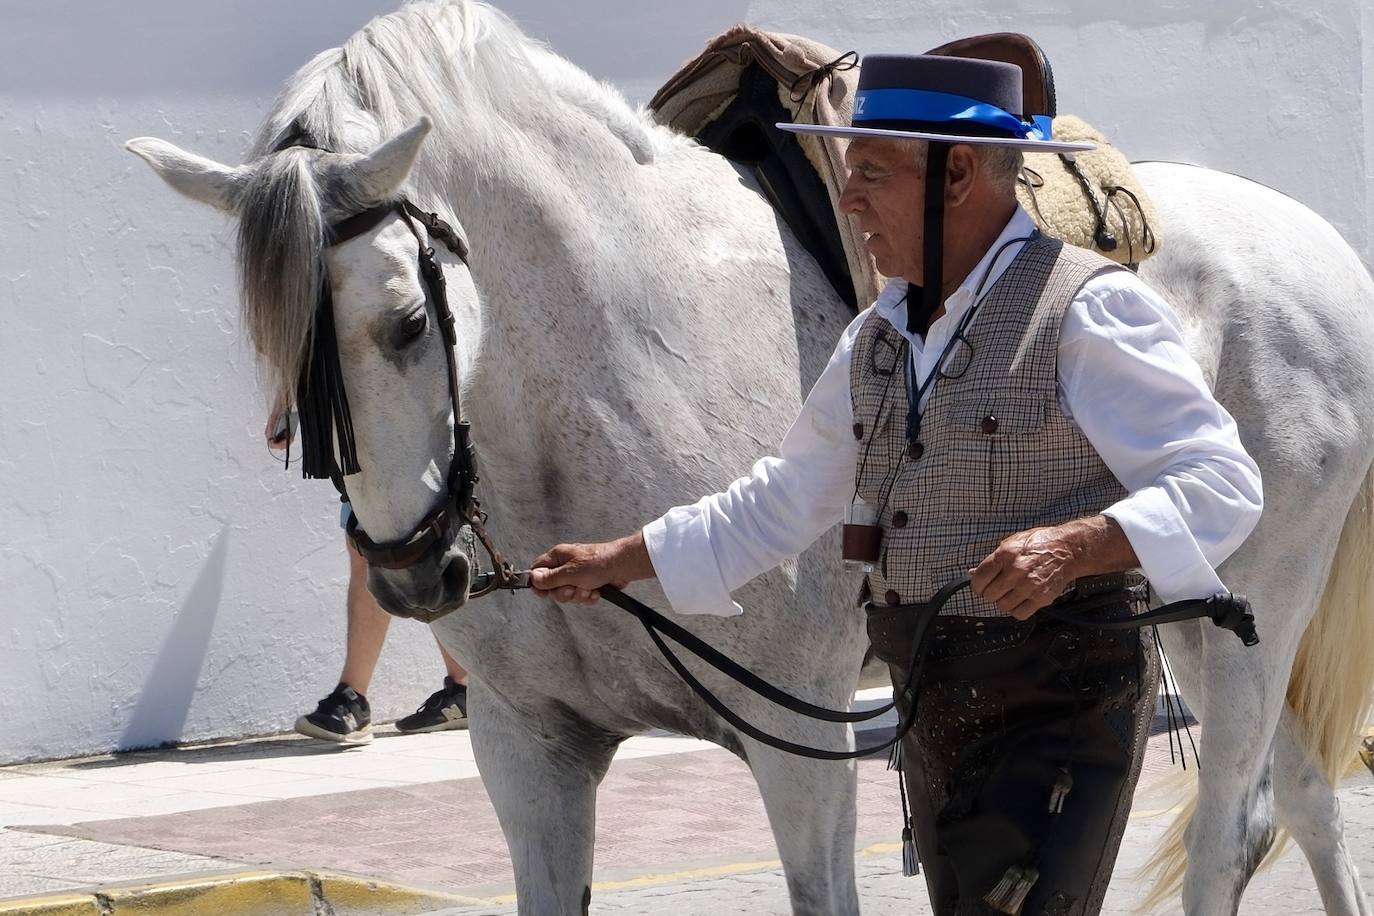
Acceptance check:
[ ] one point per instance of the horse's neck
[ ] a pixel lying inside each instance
(534, 256)
(600, 276)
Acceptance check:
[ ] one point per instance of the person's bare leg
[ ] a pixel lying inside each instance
(345, 715)
(367, 626)
(454, 669)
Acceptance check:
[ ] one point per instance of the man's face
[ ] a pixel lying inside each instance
(886, 194)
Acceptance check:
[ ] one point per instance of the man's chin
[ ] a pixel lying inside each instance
(885, 265)
(882, 257)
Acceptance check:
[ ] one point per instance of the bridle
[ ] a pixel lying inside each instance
(325, 420)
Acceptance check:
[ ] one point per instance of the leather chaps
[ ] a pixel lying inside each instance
(1027, 746)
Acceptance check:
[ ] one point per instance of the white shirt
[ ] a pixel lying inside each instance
(1125, 379)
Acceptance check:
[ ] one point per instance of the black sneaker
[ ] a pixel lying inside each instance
(445, 709)
(343, 716)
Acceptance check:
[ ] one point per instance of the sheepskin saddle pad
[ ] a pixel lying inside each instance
(730, 97)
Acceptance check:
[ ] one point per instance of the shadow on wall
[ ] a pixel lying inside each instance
(166, 697)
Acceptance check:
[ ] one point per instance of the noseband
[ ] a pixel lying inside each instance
(325, 419)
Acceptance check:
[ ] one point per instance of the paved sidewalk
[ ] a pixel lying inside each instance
(70, 824)
(680, 825)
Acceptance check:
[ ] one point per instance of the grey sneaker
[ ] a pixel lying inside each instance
(445, 709)
(343, 717)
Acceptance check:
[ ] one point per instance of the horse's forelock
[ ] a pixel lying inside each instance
(462, 63)
(280, 257)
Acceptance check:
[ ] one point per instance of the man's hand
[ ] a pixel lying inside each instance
(572, 573)
(1031, 568)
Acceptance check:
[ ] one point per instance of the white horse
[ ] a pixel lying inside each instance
(638, 327)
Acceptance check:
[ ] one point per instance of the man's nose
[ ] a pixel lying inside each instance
(851, 201)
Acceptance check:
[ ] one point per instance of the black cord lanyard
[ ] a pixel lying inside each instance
(916, 393)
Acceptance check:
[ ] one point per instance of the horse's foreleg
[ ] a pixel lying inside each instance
(1307, 806)
(811, 808)
(541, 774)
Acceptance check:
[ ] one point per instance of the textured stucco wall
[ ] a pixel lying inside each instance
(159, 578)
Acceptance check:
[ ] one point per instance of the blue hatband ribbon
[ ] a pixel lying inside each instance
(937, 107)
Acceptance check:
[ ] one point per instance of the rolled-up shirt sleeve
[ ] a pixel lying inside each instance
(702, 552)
(1128, 382)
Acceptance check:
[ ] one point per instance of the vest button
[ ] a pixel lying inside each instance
(899, 519)
(915, 450)
(858, 430)
(989, 425)
(891, 597)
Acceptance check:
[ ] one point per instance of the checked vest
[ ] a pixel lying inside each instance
(995, 454)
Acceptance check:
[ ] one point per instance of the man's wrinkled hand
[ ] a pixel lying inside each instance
(574, 573)
(1027, 571)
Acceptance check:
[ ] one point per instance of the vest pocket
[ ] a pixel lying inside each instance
(996, 453)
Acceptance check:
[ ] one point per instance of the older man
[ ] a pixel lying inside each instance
(1035, 422)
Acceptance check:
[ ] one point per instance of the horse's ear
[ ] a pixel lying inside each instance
(195, 176)
(379, 175)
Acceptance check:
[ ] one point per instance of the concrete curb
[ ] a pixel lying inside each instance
(241, 893)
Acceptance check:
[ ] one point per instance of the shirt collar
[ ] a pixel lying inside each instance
(891, 302)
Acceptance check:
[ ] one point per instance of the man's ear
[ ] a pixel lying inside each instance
(962, 172)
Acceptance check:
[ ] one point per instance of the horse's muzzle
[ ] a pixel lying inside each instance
(425, 591)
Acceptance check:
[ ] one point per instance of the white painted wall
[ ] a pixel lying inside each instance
(160, 579)
(1366, 203)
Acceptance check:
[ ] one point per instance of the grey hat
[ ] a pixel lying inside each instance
(939, 98)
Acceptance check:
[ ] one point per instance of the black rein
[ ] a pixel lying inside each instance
(1231, 612)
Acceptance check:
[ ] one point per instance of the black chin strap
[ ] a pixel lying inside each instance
(933, 254)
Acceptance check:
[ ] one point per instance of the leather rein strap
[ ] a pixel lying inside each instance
(1231, 612)
(659, 626)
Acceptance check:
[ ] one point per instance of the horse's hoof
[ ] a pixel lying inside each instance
(1367, 752)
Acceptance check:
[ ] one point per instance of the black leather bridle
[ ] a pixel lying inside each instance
(325, 421)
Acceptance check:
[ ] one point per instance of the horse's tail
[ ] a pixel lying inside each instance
(1333, 673)
(1329, 689)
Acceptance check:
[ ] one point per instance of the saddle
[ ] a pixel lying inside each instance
(732, 94)
(730, 97)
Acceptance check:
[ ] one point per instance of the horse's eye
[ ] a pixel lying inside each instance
(413, 325)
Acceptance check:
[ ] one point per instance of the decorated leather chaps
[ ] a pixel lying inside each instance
(1026, 750)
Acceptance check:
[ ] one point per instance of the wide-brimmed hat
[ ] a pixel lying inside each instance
(943, 99)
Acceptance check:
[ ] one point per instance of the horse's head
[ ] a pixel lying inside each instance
(299, 250)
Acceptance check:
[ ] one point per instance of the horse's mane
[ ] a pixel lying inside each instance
(460, 62)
